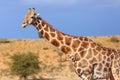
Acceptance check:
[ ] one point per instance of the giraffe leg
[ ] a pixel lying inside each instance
(111, 75)
(84, 74)
(87, 75)
(116, 73)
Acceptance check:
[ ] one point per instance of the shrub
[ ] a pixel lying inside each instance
(45, 48)
(4, 41)
(24, 65)
(114, 39)
(98, 43)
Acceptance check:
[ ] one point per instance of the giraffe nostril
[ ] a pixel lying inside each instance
(24, 25)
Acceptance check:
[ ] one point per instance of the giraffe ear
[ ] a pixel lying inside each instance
(38, 14)
(29, 10)
(32, 10)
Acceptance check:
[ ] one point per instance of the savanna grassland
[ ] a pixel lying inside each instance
(54, 65)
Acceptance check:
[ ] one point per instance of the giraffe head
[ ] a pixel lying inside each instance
(29, 17)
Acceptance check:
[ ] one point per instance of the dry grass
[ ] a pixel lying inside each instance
(52, 67)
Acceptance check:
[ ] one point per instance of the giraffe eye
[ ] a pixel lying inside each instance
(32, 17)
(27, 21)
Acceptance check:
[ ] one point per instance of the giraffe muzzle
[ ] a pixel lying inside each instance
(24, 25)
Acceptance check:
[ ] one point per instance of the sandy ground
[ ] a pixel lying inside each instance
(54, 66)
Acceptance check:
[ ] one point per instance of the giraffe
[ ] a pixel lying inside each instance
(90, 60)
(116, 65)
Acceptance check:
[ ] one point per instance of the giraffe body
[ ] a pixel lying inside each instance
(90, 60)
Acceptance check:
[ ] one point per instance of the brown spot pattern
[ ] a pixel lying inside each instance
(108, 59)
(93, 60)
(103, 52)
(42, 32)
(52, 30)
(85, 44)
(103, 62)
(52, 34)
(59, 36)
(42, 23)
(105, 69)
(55, 43)
(83, 63)
(98, 48)
(82, 53)
(46, 28)
(85, 39)
(75, 44)
(67, 40)
(81, 38)
(47, 36)
(93, 45)
(77, 57)
(81, 49)
(107, 64)
(38, 21)
(39, 27)
(109, 52)
(65, 49)
(112, 56)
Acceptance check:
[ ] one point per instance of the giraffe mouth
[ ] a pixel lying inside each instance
(23, 25)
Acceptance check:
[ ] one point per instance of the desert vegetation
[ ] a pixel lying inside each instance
(114, 39)
(24, 65)
(54, 65)
(3, 40)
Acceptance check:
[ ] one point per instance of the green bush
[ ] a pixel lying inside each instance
(4, 40)
(114, 39)
(24, 65)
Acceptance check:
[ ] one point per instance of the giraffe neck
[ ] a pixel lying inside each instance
(66, 43)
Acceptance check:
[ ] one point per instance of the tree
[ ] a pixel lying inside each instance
(24, 65)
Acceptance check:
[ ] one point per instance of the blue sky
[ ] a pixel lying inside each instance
(75, 17)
